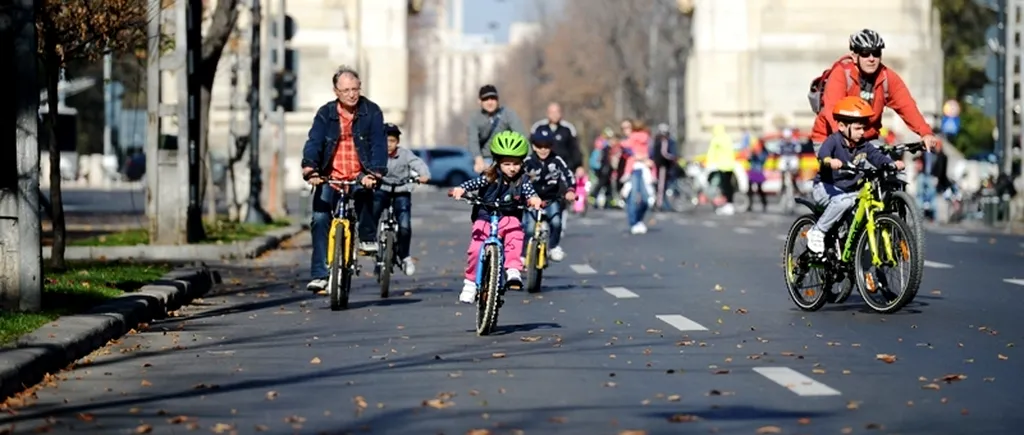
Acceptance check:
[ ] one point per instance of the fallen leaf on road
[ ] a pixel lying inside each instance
(721, 372)
(653, 331)
(222, 428)
(497, 355)
(271, 395)
(741, 311)
(146, 383)
(964, 411)
(886, 358)
(818, 371)
(804, 421)
(725, 308)
(853, 405)
(86, 417)
(530, 338)
(633, 432)
(454, 375)
(683, 418)
(1003, 357)
(930, 386)
(718, 288)
(315, 360)
(360, 402)
(143, 428)
(478, 432)
(262, 428)
(178, 419)
(437, 403)
(769, 430)
(674, 398)
(936, 292)
(610, 384)
(558, 420)
(949, 379)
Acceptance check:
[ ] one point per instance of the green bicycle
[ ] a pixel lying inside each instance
(873, 244)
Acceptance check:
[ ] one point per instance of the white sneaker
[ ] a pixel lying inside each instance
(639, 228)
(408, 266)
(726, 210)
(316, 285)
(512, 276)
(816, 241)
(468, 295)
(368, 247)
(557, 254)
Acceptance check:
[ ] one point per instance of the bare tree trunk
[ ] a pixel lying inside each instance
(56, 199)
(222, 23)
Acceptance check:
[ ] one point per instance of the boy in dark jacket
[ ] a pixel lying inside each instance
(553, 180)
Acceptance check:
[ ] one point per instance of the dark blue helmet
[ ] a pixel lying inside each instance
(392, 130)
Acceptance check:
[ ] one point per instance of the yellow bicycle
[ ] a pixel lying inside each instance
(536, 251)
(341, 248)
(865, 251)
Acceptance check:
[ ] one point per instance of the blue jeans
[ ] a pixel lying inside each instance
(403, 215)
(325, 199)
(554, 213)
(636, 203)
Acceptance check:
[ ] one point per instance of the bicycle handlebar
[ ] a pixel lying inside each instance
(474, 200)
(899, 149)
(888, 168)
(410, 180)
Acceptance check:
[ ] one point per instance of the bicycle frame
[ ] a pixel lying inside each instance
(541, 236)
(492, 239)
(341, 217)
(867, 206)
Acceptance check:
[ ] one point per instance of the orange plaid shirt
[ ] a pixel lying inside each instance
(345, 164)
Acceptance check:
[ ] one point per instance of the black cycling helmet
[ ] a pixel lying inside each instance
(866, 40)
(392, 130)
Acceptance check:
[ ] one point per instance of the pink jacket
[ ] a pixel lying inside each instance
(638, 143)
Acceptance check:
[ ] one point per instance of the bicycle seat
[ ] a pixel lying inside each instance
(814, 207)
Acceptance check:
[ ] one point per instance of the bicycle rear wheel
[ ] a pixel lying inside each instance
(488, 295)
(341, 272)
(798, 268)
(879, 291)
(386, 260)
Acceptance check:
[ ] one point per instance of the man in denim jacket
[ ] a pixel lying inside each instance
(346, 142)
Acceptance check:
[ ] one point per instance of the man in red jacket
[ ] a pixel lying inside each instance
(863, 74)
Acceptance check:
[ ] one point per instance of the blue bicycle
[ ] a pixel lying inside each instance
(490, 270)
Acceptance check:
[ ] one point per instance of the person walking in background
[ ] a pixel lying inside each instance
(663, 154)
(605, 161)
(756, 156)
(721, 161)
(492, 119)
(639, 192)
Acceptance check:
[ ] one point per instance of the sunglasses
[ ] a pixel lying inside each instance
(870, 53)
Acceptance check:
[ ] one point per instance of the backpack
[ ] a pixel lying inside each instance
(816, 95)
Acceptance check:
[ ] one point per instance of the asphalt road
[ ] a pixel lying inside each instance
(687, 329)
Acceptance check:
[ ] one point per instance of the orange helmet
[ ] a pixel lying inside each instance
(852, 108)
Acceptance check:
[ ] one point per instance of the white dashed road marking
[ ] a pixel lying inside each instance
(621, 292)
(710, 224)
(582, 269)
(963, 239)
(781, 237)
(937, 265)
(743, 230)
(1019, 282)
(796, 382)
(681, 323)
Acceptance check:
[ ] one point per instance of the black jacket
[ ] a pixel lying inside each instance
(550, 177)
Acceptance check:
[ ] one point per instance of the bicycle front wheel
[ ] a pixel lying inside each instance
(905, 207)
(341, 272)
(488, 295)
(890, 285)
(534, 266)
(386, 260)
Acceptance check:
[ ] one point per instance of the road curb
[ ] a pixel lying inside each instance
(57, 344)
(181, 253)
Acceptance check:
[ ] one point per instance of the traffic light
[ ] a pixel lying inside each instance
(284, 85)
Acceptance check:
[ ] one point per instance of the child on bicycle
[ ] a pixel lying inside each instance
(836, 188)
(503, 182)
(552, 180)
(402, 164)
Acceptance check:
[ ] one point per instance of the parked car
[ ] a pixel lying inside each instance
(449, 166)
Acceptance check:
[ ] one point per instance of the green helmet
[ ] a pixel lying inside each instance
(509, 144)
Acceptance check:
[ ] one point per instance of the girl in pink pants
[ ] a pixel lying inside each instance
(503, 183)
